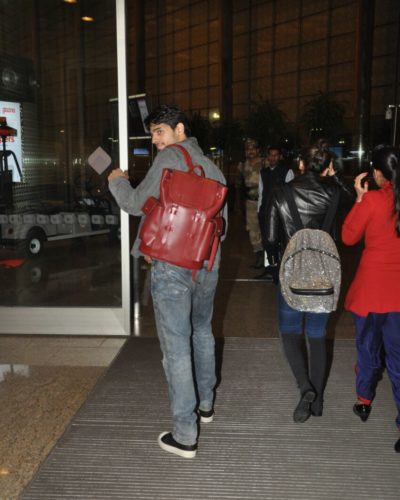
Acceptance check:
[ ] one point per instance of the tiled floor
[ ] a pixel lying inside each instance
(44, 379)
(43, 382)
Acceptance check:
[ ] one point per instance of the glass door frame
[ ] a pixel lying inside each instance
(88, 320)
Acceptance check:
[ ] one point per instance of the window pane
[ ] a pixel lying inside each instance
(59, 223)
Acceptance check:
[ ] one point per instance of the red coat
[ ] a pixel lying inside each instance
(376, 286)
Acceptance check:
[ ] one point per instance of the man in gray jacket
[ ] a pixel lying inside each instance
(183, 307)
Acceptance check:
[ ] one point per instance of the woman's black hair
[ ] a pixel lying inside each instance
(317, 157)
(386, 160)
(168, 115)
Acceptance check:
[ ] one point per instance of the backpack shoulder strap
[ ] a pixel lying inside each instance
(292, 207)
(188, 159)
(330, 214)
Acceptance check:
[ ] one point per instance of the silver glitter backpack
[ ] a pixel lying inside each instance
(310, 271)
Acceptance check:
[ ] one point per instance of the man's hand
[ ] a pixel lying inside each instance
(118, 173)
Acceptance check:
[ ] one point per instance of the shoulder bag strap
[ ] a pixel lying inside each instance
(330, 214)
(292, 207)
(188, 159)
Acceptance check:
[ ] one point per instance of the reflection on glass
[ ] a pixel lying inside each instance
(59, 225)
(11, 370)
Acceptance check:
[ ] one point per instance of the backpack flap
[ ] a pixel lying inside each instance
(191, 191)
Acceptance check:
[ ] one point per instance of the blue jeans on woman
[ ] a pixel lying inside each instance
(291, 321)
(183, 310)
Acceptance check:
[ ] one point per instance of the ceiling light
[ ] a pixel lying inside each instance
(87, 19)
(70, 1)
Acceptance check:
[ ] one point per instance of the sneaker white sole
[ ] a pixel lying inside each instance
(206, 420)
(173, 449)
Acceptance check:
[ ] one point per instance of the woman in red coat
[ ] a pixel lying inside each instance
(374, 295)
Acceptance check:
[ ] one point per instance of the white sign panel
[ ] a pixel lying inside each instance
(12, 112)
(99, 160)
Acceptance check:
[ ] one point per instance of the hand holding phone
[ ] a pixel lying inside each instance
(361, 186)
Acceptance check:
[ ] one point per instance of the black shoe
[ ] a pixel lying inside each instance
(168, 443)
(397, 446)
(362, 411)
(317, 407)
(302, 411)
(206, 416)
(259, 263)
(264, 276)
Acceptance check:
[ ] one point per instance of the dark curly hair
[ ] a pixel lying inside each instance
(169, 115)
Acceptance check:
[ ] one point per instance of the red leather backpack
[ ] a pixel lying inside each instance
(183, 227)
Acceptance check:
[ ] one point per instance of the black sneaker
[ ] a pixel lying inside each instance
(168, 443)
(206, 416)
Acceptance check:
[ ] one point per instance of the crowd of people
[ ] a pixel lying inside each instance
(373, 297)
(257, 178)
(183, 299)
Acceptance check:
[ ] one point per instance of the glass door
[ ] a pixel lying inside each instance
(62, 266)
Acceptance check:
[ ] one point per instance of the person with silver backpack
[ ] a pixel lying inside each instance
(311, 195)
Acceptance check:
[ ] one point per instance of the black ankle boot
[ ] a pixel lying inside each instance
(397, 446)
(259, 263)
(302, 411)
(362, 411)
(294, 348)
(317, 349)
(317, 407)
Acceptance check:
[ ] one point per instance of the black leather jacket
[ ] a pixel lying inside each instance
(312, 194)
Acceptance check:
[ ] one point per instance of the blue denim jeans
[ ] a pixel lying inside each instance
(183, 311)
(291, 321)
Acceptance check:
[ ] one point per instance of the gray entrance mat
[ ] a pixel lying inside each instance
(252, 450)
